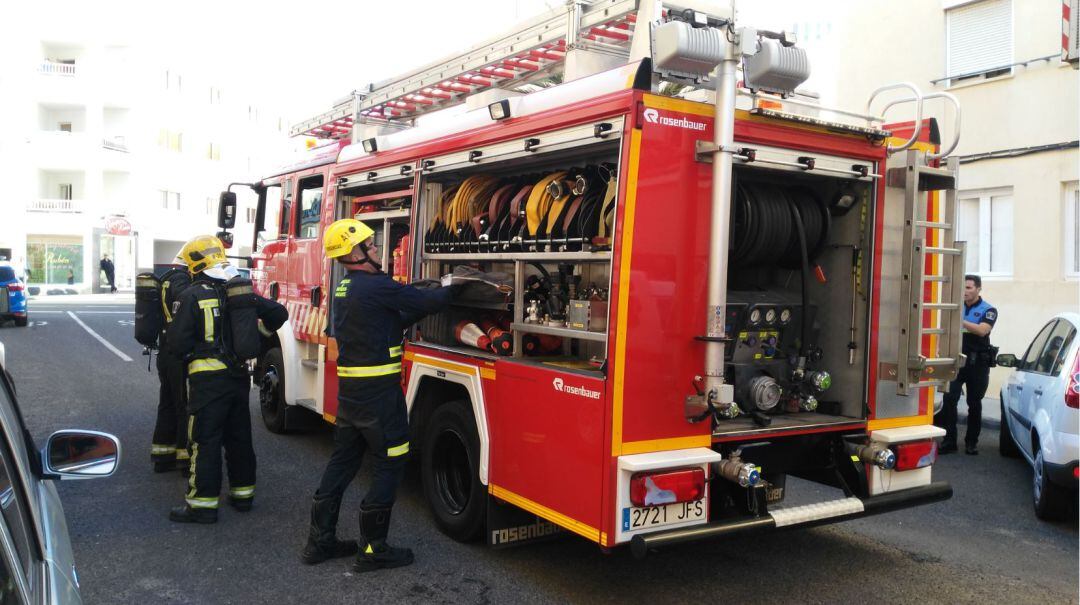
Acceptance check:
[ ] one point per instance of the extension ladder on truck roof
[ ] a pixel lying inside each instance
(535, 49)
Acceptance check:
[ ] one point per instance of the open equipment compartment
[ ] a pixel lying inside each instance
(535, 214)
(765, 303)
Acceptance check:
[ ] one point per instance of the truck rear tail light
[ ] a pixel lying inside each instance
(667, 487)
(1072, 391)
(916, 454)
(15, 287)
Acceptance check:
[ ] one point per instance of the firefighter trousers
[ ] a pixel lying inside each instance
(370, 418)
(170, 429)
(220, 418)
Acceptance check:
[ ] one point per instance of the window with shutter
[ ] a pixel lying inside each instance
(979, 40)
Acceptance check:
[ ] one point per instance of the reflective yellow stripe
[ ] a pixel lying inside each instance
(208, 307)
(194, 455)
(395, 351)
(368, 371)
(238, 290)
(161, 449)
(202, 502)
(165, 305)
(205, 365)
(399, 450)
(242, 492)
(181, 454)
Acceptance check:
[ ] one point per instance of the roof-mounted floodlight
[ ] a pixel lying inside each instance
(777, 67)
(500, 110)
(682, 51)
(371, 145)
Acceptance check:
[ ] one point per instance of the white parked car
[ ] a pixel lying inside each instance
(1039, 413)
(37, 565)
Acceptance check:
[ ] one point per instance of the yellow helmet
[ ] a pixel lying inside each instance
(342, 236)
(202, 253)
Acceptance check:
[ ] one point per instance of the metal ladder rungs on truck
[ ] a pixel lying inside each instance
(536, 49)
(926, 238)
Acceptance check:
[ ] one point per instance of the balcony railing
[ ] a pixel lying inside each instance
(52, 68)
(53, 205)
(115, 143)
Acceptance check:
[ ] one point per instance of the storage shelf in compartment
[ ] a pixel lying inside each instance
(382, 214)
(564, 332)
(523, 256)
(482, 305)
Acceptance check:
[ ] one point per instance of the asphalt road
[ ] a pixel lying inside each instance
(984, 545)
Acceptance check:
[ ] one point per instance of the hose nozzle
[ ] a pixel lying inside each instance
(737, 471)
(874, 453)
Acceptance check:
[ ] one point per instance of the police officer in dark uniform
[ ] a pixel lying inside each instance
(218, 381)
(370, 314)
(979, 320)
(168, 450)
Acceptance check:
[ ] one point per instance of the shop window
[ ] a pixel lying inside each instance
(311, 195)
(50, 261)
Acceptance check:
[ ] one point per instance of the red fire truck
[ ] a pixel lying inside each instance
(681, 304)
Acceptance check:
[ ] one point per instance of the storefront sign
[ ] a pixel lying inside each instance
(117, 225)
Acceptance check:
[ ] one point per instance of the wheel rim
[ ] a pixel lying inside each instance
(1037, 483)
(452, 471)
(268, 390)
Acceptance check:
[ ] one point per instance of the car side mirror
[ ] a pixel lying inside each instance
(226, 212)
(76, 454)
(1007, 360)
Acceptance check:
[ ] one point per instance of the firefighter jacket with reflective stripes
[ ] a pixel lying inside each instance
(371, 312)
(197, 333)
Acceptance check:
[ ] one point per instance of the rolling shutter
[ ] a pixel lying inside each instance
(980, 37)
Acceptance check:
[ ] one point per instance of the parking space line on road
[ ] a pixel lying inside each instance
(108, 345)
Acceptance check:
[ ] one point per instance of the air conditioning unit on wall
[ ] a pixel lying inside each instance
(1070, 30)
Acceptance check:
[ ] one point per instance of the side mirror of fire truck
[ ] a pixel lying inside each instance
(226, 216)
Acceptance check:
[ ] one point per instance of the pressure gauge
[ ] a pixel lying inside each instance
(785, 316)
(755, 317)
(770, 316)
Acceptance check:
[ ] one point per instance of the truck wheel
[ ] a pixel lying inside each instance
(272, 391)
(1049, 499)
(450, 471)
(1006, 444)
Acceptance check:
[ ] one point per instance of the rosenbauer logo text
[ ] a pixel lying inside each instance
(572, 390)
(653, 116)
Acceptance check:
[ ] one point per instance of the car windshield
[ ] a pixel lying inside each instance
(6, 273)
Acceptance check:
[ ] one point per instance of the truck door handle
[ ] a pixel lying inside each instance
(1038, 392)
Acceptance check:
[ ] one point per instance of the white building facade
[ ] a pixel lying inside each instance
(1019, 207)
(108, 148)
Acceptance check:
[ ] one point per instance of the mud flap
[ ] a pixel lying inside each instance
(508, 525)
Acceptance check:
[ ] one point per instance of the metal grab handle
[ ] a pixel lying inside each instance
(918, 98)
(956, 128)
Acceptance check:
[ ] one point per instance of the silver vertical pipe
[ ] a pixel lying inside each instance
(724, 137)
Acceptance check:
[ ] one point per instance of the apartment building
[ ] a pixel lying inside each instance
(1019, 206)
(110, 147)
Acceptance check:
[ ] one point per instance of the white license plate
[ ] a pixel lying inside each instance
(636, 518)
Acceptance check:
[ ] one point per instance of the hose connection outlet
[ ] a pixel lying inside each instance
(808, 403)
(820, 380)
(876, 454)
(737, 471)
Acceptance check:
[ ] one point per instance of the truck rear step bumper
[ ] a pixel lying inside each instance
(799, 516)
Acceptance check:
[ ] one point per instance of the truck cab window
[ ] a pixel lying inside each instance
(311, 196)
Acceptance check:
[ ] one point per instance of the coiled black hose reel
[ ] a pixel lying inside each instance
(764, 228)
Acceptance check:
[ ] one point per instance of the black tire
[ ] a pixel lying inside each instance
(1006, 444)
(1050, 500)
(22, 322)
(450, 471)
(271, 382)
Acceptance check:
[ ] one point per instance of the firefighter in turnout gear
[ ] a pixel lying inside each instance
(370, 314)
(205, 332)
(168, 450)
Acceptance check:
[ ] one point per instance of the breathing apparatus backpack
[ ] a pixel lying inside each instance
(242, 321)
(151, 303)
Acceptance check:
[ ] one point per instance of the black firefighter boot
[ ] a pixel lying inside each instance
(375, 553)
(322, 542)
